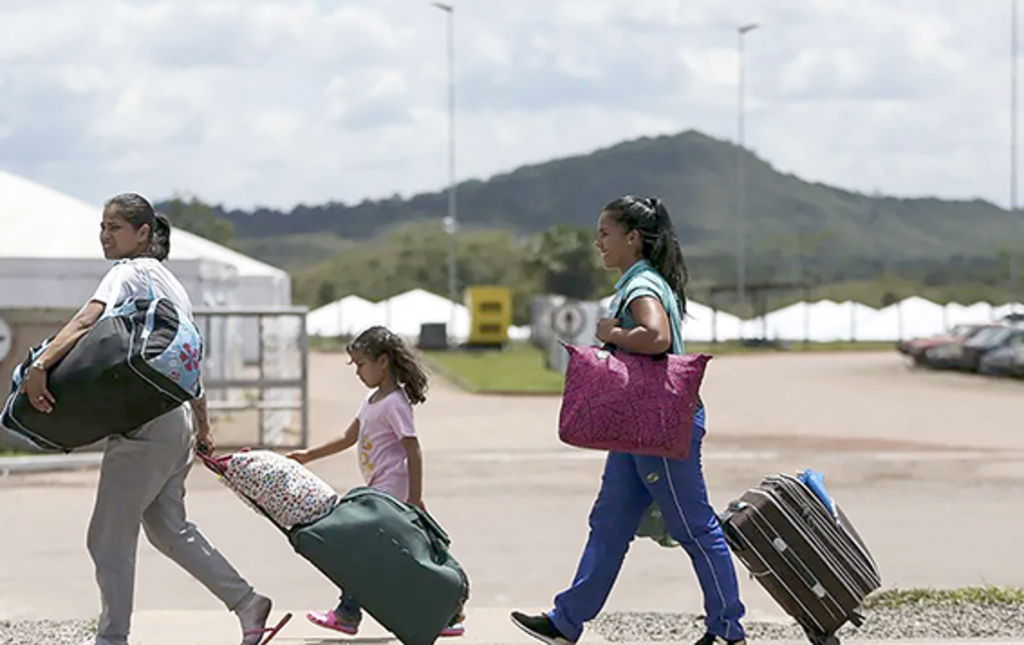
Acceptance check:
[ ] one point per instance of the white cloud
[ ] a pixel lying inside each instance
(279, 102)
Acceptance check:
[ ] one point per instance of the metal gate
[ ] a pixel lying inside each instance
(256, 375)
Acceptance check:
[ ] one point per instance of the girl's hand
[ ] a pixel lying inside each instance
(39, 397)
(605, 329)
(418, 503)
(301, 456)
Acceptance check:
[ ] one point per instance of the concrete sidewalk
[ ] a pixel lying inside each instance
(484, 626)
(49, 463)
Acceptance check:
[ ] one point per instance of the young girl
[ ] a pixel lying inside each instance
(389, 453)
(635, 237)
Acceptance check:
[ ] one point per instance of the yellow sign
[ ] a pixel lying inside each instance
(490, 314)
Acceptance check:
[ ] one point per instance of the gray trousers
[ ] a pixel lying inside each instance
(142, 483)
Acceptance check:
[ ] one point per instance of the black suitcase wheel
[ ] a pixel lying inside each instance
(821, 639)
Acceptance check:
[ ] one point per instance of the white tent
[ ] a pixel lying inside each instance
(50, 256)
(402, 314)
(917, 317)
(345, 317)
(822, 321)
(702, 323)
(1007, 309)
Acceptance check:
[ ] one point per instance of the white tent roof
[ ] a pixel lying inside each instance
(404, 313)
(345, 317)
(39, 222)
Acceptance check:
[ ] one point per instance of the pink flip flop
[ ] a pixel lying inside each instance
(455, 629)
(329, 620)
(271, 632)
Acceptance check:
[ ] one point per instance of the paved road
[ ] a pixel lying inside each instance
(928, 466)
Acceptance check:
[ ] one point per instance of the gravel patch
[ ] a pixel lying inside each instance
(46, 632)
(930, 621)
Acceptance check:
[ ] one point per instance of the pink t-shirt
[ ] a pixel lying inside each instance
(382, 426)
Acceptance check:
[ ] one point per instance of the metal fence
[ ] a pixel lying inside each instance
(256, 374)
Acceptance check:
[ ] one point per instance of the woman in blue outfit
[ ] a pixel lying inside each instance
(636, 237)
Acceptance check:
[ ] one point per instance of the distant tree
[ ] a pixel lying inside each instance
(326, 293)
(196, 217)
(564, 261)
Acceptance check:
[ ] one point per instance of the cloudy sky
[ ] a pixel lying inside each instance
(283, 102)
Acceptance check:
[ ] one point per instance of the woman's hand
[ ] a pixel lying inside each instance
(204, 440)
(301, 456)
(39, 397)
(606, 329)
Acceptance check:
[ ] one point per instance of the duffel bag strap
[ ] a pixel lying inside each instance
(433, 529)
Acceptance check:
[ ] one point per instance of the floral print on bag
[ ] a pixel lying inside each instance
(286, 490)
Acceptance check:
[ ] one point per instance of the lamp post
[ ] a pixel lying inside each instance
(451, 222)
(741, 185)
(1014, 290)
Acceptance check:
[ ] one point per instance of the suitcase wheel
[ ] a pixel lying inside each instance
(821, 639)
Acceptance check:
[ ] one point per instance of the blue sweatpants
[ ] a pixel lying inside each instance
(629, 485)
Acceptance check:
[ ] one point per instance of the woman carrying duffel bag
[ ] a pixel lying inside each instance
(142, 478)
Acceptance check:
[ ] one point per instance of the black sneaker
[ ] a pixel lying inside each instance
(541, 628)
(711, 639)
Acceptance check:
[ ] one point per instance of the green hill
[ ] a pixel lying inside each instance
(695, 175)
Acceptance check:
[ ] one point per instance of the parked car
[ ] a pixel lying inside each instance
(1007, 360)
(984, 342)
(949, 355)
(915, 348)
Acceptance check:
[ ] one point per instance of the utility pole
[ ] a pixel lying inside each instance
(1014, 286)
(451, 222)
(741, 184)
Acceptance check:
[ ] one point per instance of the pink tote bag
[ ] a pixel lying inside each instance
(633, 403)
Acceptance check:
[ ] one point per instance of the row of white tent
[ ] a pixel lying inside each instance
(821, 321)
(829, 321)
(403, 314)
(914, 317)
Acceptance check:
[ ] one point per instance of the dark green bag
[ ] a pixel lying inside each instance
(391, 557)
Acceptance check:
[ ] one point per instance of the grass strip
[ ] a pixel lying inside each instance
(986, 595)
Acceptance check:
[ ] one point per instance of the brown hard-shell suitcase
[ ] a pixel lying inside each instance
(804, 552)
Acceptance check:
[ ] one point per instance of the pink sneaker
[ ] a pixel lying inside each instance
(329, 620)
(454, 629)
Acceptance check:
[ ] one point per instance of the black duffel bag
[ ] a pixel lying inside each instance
(136, 363)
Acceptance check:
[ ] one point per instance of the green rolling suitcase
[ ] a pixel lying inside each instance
(393, 558)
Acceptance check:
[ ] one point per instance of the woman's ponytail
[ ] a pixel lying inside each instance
(667, 256)
(160, 237)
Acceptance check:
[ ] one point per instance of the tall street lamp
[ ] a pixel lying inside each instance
(451, 222)
(741, 185)
(1014, 283)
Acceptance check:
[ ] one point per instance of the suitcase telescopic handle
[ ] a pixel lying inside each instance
(799, 567)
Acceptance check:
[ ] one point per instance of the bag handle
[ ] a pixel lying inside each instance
(218, 465)
(432, 526)
(437, 535)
